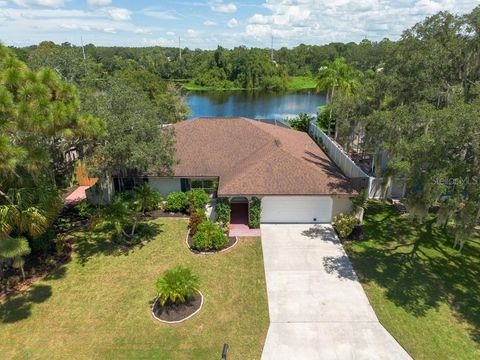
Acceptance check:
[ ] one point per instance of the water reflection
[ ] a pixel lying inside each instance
(254, 104)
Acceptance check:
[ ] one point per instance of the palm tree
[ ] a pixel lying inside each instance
(147, 197)
(177, 285)
(14, 248)
(24, 211)
(335, 76)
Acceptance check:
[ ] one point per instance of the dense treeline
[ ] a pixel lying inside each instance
(240, 67)
(420, 109)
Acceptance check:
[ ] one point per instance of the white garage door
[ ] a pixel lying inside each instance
(296, 209)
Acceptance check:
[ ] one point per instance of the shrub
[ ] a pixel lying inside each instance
(176, 285)
(147, 198)
(223, 211)
(176, 202)
(209, 236)
(197, 199)
(196, 218)
(344, 224)
(254, 213)
(359, 200)
(301, 122)
(84, 209)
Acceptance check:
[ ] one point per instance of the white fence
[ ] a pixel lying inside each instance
(374, 186)
(336, 153)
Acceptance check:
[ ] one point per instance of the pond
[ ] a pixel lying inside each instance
(254, 104)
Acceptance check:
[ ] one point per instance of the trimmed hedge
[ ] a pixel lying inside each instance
(209, 236)
(176, 202)
(197, 199)
(254, 212)
(223, 211)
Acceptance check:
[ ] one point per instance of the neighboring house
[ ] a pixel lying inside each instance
(285, 168)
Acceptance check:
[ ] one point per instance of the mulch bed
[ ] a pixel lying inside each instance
(176, 313)
(163, 214)
(357, 234)
(41, 271)
(232, 240)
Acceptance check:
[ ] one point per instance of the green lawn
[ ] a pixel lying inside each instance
(428, 300)
(295, 83)
(301, 83)
(98, 305)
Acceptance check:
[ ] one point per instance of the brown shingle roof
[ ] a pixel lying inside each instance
(254, 158)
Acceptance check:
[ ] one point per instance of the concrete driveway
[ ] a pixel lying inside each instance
(318, 309)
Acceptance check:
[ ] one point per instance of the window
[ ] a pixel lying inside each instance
(210, 186)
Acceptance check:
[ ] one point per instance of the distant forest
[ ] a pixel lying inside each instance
(241, 67)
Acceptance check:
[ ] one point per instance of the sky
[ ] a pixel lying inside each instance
(208, 23)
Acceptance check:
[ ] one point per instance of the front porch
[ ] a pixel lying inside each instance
(239, 219)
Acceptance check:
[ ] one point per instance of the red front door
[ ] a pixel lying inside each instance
(239, 214)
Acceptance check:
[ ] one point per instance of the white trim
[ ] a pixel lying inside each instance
(177, 321)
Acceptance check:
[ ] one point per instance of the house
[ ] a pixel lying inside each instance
(245, 158)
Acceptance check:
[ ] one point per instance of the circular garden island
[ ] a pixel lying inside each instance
(178, 297)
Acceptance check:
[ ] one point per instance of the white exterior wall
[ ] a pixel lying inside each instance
(297, 209)
(165, 185)
(341, 205)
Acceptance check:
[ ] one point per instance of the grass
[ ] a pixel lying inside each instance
(295, 83)
(424, 292)
(301, 83)
(98, 305)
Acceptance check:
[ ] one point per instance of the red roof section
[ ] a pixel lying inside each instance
(255, 158)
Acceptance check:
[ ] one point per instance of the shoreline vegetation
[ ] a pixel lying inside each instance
(295, 83)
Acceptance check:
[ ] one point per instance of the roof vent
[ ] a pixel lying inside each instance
(277, 142)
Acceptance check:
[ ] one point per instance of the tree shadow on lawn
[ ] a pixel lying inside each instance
(99, 241)
(417, 267)
(19, 307)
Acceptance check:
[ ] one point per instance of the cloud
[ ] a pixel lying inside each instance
(170, 33)
(119, 14)
(159, 42)
(232, 23)
(209, 23)
(159, 14)
(142, 31)
(44, 3)
(99, 2)
(110, 30)
(319, 22)
(192, 33)
(220, 7)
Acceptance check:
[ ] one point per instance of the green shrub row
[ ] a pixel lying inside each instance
(223, 211)
(186, 201)
(254, 213)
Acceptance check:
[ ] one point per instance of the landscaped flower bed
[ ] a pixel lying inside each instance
(178, 297)
(232, 241)
(174, 313)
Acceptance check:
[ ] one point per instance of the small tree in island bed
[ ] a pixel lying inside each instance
(209, 236)
(176, 286)
(196, 218)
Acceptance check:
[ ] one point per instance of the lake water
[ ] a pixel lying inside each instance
(254, 104)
